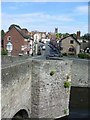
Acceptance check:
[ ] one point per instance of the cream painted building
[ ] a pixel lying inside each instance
(70, 45)
(37, 36)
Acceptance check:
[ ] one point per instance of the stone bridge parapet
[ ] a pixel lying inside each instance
(36, 86)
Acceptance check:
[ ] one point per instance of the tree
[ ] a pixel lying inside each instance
(58, 35)
(2, 38)
(2, 33)
(65, 34)
(86, 36)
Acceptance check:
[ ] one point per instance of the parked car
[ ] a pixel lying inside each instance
(43, 47)
(53, 53)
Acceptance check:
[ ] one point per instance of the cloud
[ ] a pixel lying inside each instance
(34, 19)
(82, 10)
(42, 22)
(38, 17)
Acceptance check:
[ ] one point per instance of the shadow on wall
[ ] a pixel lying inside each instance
(20, 115)
(79, 104)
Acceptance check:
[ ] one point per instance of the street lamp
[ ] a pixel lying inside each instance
(36, 47)
(28, 47)
(9, 48)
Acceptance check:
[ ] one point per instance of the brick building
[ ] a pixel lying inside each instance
(20, 39)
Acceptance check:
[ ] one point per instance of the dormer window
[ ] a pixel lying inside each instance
(71, 42)
(9, 38)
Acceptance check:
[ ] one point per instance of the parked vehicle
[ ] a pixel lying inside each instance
(43, 47)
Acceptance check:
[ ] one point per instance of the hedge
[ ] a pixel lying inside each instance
(4, 52)
(84, 55)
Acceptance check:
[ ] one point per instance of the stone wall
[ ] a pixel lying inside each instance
(80, 73)
(16, 89)
(28, 85)
(12, 59)
(49, 97)
(80, 69)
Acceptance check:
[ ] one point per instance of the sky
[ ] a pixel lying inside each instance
(68, 17)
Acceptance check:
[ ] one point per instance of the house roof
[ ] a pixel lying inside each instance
(84, 45)
(71, 35)
(20, 31)
(23, 35)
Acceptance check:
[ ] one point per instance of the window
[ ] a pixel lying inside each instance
(71, 41)
(71, 49)
(9, 38)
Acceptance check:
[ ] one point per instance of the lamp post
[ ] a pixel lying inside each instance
(9, 48)
(28, 47)
(36, 47)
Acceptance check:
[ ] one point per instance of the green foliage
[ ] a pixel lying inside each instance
(86, 36)
(84, 55)
(2, 33)
(65, 34)
(52, 73)
(58, 35)
(67, 84)
(4, 52)
(65, 111)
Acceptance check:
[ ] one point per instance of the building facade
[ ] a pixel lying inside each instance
(70, 45)
(20, 40)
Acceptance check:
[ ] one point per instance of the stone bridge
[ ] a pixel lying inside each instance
(35, 89)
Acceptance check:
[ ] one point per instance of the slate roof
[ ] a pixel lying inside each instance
(23, 35)
(84, 45)
(71, 35)
(21, 32)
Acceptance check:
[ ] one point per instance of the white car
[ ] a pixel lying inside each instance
(43, 47)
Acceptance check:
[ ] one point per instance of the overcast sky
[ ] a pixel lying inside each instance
(69, 17)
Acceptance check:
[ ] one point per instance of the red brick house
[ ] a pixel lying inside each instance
(19, 39)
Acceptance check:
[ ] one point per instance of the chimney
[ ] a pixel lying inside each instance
(78, 34)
